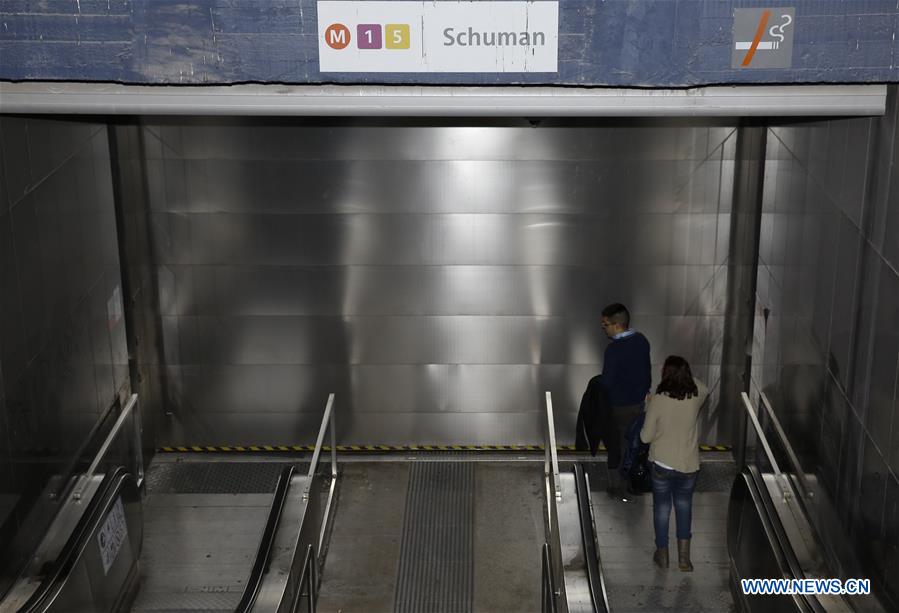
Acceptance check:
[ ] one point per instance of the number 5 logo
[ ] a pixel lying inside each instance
(397, 35)
(337, 36)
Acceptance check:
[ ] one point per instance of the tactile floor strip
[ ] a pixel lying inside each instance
(436, 565)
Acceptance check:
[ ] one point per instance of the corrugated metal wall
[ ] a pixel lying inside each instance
(63, 354)
(828, 355)
(438, 276)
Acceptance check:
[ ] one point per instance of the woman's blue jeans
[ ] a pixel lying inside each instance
(667, 485)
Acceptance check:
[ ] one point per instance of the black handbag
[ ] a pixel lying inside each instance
(640, 475)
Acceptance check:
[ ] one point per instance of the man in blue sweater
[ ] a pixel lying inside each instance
(626, 379)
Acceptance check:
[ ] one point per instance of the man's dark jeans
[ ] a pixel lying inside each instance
(616, 432)
(667, 485)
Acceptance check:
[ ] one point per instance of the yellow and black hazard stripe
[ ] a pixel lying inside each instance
(714, 448)
(378, 448)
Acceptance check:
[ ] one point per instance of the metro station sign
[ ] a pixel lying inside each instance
(447, 36)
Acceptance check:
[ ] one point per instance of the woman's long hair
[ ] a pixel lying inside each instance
(677, 380)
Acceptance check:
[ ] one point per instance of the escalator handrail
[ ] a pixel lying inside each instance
(801, 486)
(54, 581)
(264, 553)
(778, 539)
(588, 541)
(309, 579)
(548, 583)
(66, 483)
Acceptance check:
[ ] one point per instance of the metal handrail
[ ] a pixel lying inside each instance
(779, 477)
(307, 580)
(60, 570)
(72, 467)
(807, 493)
(548, 587)
(553, 491)
(328, 421)
(588, 542)
(551, 464)
(104, 448)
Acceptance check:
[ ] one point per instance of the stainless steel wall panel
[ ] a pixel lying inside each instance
(175, 289)
(882, 389)
(52, 143)
(154, 170)
(303, 140)
(12, 332)
(4, 183)
(99, 357)
(175, 185)
(846, 288)
(855, 165)
(866, 311)
(14, 133)
(871, 498)
(883, 189)
(890, 249)
(827, 357)
(421, 269)
(452, 186)
(282, 290)
(429, 239)
(829, 237)
(268, 388)
(248, 428)
(26, 243)
(170, 340)
(404, 290)
(695, 189)
(171, 238)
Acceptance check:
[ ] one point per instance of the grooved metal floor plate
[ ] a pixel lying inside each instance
(202, 525)
(213, 477)
(716, 477)
(436, 566)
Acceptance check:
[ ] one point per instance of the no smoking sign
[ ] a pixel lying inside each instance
(763, 38)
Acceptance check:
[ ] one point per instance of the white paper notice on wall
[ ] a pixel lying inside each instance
(442, 36)
(112, 534)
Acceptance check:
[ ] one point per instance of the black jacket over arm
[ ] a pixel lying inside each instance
(592, 417)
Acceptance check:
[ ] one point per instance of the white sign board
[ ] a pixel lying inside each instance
(443, 36)
(112, 534)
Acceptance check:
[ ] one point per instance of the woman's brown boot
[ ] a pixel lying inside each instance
(683, 555)
(660, 557)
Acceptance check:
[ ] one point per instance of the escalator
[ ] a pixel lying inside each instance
(99, 553)
(771, 533)
(95, 555)
(572, 569)
(217, 546)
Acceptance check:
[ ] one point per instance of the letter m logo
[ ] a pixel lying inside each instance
(337, 36)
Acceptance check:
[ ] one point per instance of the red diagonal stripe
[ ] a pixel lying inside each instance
(758, 37)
